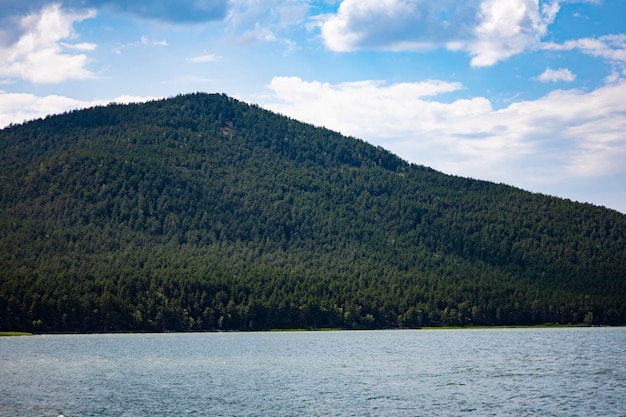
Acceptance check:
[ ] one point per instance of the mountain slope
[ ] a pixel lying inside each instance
(201, 212)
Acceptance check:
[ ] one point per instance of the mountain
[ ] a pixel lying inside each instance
(201, 212)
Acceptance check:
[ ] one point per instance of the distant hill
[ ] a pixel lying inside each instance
(201, 212)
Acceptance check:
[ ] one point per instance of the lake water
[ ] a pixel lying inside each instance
(490, 372)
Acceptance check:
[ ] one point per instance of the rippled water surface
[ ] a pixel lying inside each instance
(491, 372)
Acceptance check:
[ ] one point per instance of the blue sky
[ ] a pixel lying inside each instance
(530, 93)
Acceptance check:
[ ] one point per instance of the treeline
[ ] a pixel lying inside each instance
(201, 213)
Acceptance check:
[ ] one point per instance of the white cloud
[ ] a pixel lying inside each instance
(80, 46)
(489, 30)
(363, 109)
(507, 28)
(203, 58)
(20, 107)
(558, 139)
(395, 24)
(143, 42)
(609, 47)
(266, 20)
(275, 13)
(550, 75)
(39, 55)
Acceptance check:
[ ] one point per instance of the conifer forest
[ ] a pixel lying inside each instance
(201, 213)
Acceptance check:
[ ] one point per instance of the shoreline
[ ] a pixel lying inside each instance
(325, 329)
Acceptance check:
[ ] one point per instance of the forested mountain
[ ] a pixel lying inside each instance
(201, 212)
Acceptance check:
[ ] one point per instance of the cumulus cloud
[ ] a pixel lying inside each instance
(364, 109)
(21, 107)
(562, 137)
(489, 30)
(507, 28)
(561, 74)
(396, 24)
(40, 54)
(31, 32)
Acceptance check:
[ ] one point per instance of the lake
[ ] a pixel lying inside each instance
(473, 372)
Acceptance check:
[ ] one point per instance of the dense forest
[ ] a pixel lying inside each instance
(201, 212)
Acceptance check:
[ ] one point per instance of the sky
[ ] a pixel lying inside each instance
(529, 93)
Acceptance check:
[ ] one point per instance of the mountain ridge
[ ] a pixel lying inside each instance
(200, 212)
